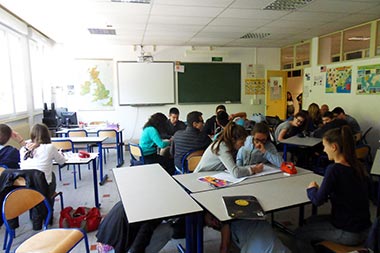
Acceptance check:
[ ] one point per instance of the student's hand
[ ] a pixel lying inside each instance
(31, 145)
(257, 168)
(260, 146)
(17, 137)
(313, 184)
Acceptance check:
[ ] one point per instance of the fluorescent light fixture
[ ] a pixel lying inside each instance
(132, 1)
(287, 5)
(358, 38)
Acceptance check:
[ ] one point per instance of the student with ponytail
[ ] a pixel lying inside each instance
(346, 184)
(221, 154)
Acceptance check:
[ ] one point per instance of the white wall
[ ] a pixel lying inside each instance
(133, 118)
(364, 108)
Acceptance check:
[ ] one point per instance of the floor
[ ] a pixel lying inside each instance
(108, 195)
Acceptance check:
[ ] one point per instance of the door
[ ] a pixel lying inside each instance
(276, 87)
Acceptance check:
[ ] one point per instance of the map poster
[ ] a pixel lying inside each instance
(338, 80)
(368, 79)
(94, 84)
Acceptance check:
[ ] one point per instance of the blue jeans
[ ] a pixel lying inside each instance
(319, 228)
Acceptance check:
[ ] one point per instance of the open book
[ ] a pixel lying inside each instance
(221, 179)
(244, 207)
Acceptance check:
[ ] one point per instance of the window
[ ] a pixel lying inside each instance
(377, 51)
(37, 69)
(287, 57)
(5, 78)
(356, 42)
(329, 48)
(303, 54)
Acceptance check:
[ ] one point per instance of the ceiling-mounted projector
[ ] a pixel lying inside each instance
(144, 57)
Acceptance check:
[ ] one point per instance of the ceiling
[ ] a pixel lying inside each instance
(191, 22)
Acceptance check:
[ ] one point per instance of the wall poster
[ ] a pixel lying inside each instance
(338, 80)
(368, 79)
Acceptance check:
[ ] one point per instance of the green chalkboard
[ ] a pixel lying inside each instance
(209, 83)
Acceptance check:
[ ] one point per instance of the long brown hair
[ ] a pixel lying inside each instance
(345, 141)
(40, 134)
(230, 134)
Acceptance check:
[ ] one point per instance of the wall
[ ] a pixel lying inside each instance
(133, 118)
(364, 108)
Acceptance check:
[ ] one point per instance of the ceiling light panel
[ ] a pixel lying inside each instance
(132, 1)
(256, 36)
(287, 5)
(102, 31)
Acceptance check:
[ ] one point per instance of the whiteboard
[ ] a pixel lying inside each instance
(145, 83)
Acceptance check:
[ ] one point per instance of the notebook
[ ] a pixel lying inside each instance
(244, 207)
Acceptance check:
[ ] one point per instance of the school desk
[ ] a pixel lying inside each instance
(300, 142)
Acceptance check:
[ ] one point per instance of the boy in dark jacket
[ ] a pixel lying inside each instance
(9, 156)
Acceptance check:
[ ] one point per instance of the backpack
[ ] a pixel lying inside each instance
(85, 218)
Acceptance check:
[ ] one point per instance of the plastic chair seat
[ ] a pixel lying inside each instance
(340, 248)
(51, 240)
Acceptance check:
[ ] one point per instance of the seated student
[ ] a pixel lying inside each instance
(221, 154)
(324, 108)
(173, 123)
(346, 185)
(340, 114)
(248, 235)
(290, 128)
(40, 153)
(192, 138)
(329, 122)
(258, 149)
(116, 235)
(314, 117)
(9, 156)
(151, 139)
(211, 124)
(222, 120)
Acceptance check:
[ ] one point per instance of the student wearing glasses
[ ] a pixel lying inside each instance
(258, 149)
(290, 128)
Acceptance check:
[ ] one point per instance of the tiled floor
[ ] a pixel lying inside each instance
(108, 195)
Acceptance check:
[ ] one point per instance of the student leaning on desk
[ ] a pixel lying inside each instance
(221, 154)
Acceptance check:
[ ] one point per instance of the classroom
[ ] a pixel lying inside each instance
(119, 62)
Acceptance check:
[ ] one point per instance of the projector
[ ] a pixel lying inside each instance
(145, 58)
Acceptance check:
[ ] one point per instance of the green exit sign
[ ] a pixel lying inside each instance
(217, 58)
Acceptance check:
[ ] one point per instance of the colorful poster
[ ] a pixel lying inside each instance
(254, 86)
(94, 84)
(275, 85)
(338, 80)
(368, 79)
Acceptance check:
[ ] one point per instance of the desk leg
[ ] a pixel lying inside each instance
(285, 152)
(189, 233)
(301, 215)
(95, 179)
(119, 143)
(199, 231)
(102, 178)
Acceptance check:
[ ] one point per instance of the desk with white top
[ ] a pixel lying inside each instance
(192, 184)
(272, 194)
(149, 192)
(90, 140)
(74, 159)
(300, 142)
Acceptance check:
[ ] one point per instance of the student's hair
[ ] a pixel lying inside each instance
(193, 117)
(5, 133)
(158, 121)
(338, 110)
(262, 128)
(314, 112)
(221, 107)
(344, 139)
(40, 134)
(328, 114)
(231, 133)
(174, 110)
(222, 118)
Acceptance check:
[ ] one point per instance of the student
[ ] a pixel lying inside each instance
(9, 156)
(192, 138)
(314, 117)
(324, 108)
(329, 122)
(340, 114)
(346, 185)
(257, 148)
(221, 154)
(151, 139)
(117, 235)
(222, 119)
(290, 128)
(173, 123)
(248, 235)
(40, 153)
(289, 105)
(211, 125)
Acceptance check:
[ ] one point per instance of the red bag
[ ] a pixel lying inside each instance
(85, 218)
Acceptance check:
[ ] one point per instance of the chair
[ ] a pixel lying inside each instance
(21, 200)
(66, 145)
(136, 154)
(364, 136)
(78, 133)
(190, 160)
(111, 143)
(363, 153)
(371, 244)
